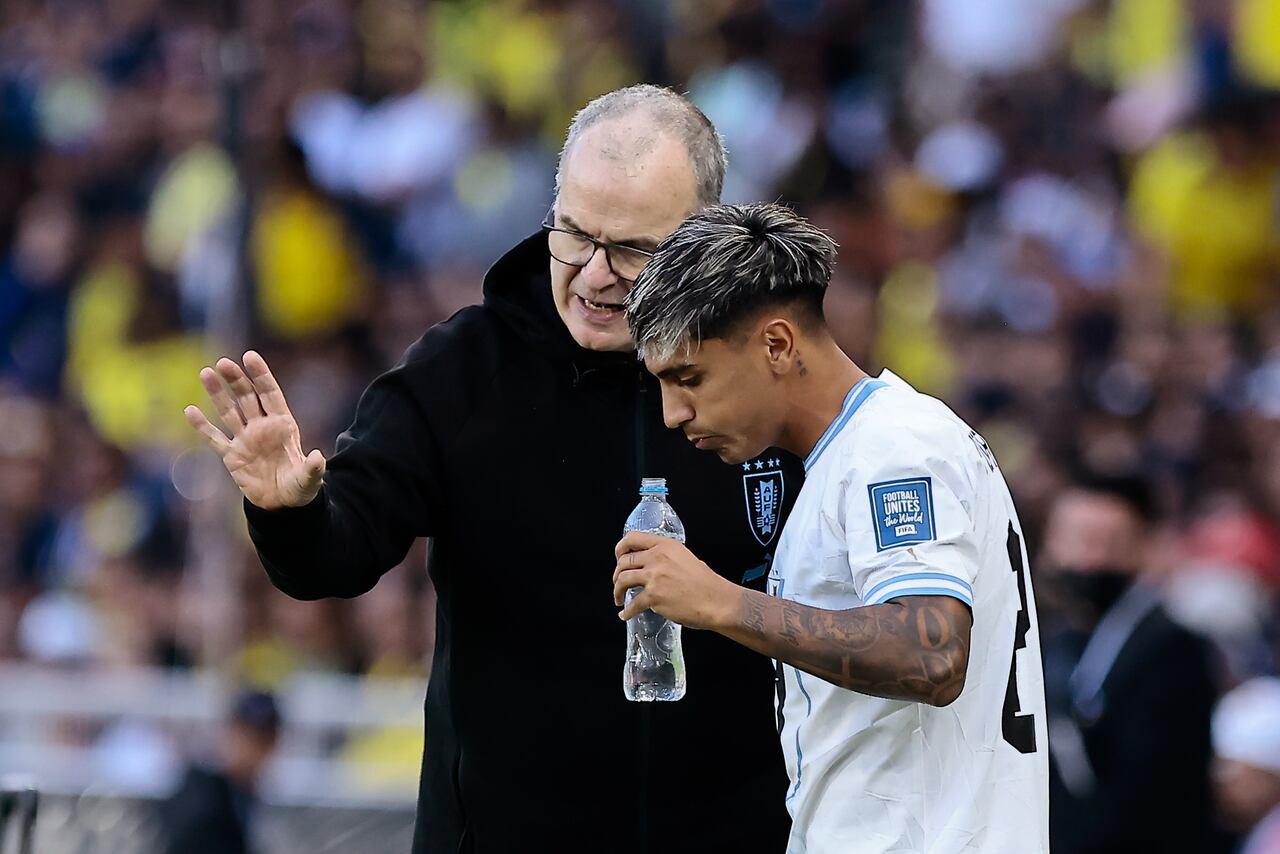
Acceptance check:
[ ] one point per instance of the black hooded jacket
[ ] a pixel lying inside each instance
(520, 455)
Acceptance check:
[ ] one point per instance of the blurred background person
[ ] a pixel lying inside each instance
(212, 811)
(1129, 690)
(1246, 744)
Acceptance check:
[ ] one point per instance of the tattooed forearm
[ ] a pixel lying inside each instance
(913, 648)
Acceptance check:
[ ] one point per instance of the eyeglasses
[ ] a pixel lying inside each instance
(577, 249)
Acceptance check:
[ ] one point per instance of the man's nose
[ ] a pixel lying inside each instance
(596, 273)
(675, 411)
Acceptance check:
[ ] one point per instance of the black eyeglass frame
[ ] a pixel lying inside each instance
(548, 224)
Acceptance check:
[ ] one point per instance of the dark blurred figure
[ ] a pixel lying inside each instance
(1246, 767)
(212, 809)
(1129, 691)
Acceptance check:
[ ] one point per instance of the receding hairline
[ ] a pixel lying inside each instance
(613, 138)
(669, 115)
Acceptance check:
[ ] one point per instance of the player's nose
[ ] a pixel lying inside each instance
(675, 412)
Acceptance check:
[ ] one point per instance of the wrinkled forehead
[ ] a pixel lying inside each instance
(624, 179)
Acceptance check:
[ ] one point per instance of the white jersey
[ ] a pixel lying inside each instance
(902, 498)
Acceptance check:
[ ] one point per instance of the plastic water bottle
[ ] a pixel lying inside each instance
(655, 662)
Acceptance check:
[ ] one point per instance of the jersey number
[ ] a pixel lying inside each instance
(1018, 729)
(780, 685)
(774, 588)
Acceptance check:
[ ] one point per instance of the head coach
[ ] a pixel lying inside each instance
(514, 435)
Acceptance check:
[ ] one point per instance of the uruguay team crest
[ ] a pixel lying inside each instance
(763, 487)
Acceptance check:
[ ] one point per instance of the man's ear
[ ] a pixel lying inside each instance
(780, 338)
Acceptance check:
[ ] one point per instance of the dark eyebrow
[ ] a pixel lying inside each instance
(646, 244)
(673, 370)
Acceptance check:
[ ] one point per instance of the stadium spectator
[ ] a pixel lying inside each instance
(212, 812)
(1246, 743)
(1129, 690)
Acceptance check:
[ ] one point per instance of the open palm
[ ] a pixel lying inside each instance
(264, 452)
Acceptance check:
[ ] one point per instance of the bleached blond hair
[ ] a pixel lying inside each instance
(721, 265)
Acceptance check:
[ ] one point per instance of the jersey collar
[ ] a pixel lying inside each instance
(857, 396)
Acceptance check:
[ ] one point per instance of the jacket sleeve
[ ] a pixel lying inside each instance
(382, 489)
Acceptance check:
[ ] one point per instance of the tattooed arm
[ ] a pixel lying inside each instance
(912, 648)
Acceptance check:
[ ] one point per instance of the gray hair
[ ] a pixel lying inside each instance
(721, 265)
(671, 113)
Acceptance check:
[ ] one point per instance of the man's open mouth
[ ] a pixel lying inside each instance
(602, 306)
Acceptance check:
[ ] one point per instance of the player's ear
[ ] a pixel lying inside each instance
(779, 337)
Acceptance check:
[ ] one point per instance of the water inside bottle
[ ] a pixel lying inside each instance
(654, 668)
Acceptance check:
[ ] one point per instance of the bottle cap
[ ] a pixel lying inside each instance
(653, 486)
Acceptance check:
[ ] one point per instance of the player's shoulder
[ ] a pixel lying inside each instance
(899, 421)
(902, 436)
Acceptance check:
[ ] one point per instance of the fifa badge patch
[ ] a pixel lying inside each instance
(903, 511)
(763, 487)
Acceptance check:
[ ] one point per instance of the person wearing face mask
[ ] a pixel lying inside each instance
(1129, 691)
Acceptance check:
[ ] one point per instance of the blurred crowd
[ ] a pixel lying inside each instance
(1061, 216)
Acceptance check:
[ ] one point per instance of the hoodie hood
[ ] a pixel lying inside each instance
(517, 289)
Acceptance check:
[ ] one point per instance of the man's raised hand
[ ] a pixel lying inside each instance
(264, 451)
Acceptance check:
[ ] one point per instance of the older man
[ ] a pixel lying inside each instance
(515, 436)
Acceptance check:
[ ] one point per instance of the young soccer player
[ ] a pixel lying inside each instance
(900, 612)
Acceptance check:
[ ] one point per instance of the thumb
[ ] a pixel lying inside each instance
(313, 468)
